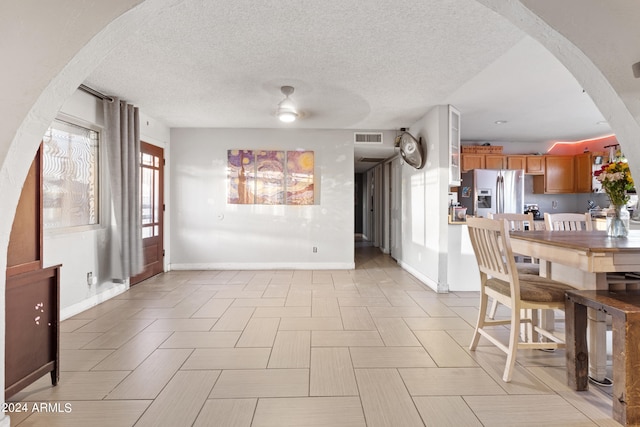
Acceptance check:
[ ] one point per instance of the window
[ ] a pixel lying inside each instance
(70, 177)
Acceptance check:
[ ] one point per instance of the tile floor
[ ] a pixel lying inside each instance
(366, 347)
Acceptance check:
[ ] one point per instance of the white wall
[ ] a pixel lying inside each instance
(438, 254)
(462, 268)
(424, 200)
(86, 249)
(208, 233)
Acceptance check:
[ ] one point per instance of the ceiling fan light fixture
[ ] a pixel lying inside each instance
(287, 116)
(287, 112)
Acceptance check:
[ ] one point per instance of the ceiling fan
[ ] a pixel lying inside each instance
(411, 150)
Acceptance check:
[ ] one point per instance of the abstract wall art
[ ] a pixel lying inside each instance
(300, 167)
(270, 177)
(241, 175)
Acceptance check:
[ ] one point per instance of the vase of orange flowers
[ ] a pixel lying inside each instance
(616, 180)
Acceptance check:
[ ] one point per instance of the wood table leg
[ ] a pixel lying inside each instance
(577, 353)
(626, 372)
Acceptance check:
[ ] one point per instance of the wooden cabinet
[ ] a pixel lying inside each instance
(552, 174)
(559, 176)
(32, 336)
(471, 161)
(583, 173)
(32, 295)
(495, 161)
(532, 165)
(517, 162)
(535, 165)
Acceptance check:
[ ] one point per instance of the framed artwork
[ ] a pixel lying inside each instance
(241, 177)
(270, 177)
(300, 179)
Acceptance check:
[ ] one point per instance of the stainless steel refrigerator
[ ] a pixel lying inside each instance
(485, 191)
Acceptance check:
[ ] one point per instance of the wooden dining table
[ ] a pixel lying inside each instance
(582, 259)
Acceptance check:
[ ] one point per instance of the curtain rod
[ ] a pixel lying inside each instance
(95, 93)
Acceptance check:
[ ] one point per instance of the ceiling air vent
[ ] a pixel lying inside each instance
(368, 137)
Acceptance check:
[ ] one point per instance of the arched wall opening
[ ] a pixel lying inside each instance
(38, 82)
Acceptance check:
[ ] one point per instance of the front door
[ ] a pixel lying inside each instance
(151, 190)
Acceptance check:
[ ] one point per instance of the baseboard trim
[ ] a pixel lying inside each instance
(5, 421)
(92, 301)
(264, 266)
(424, 279)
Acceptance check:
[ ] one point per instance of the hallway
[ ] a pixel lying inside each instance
(370, 346)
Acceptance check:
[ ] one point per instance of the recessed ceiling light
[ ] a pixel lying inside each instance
(500, 122)
(602, 122)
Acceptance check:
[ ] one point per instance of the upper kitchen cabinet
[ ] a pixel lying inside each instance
(559, 176)
(517, 162)
(454, 147)
(584, 177)
(535, 165)
(471, 161)
(495, 161)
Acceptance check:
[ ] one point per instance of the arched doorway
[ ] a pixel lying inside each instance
(45, 71)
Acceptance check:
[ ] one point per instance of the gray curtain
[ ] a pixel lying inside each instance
(122, 137)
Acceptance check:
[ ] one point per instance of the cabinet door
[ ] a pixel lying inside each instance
(535, 165)
(454, 146)
(559, 175)
(583, 173)
(494, 161)
(472, 161)
(517, 162)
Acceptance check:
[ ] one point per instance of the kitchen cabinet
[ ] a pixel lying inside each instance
(559, 176)
(495, 161)
(471, 161)
(552, 174)
(454, 147)
(583, 173)
(517, 162)
(532, 165)
(535, 165)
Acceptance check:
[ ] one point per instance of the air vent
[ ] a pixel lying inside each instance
(371, 160)
(368, 138)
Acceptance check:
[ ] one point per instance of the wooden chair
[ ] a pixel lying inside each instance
(520, 222)
(516, 222)
(499, 280)
(568, 221)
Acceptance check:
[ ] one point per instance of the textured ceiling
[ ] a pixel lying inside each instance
(373, 65)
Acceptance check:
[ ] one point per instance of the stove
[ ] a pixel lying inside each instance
(533, 209)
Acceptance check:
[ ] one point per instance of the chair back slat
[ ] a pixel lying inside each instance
(568, 222)
(492, 247)
(517, 222)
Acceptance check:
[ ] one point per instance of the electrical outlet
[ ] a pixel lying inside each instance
(315, 250)
(90, 278)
